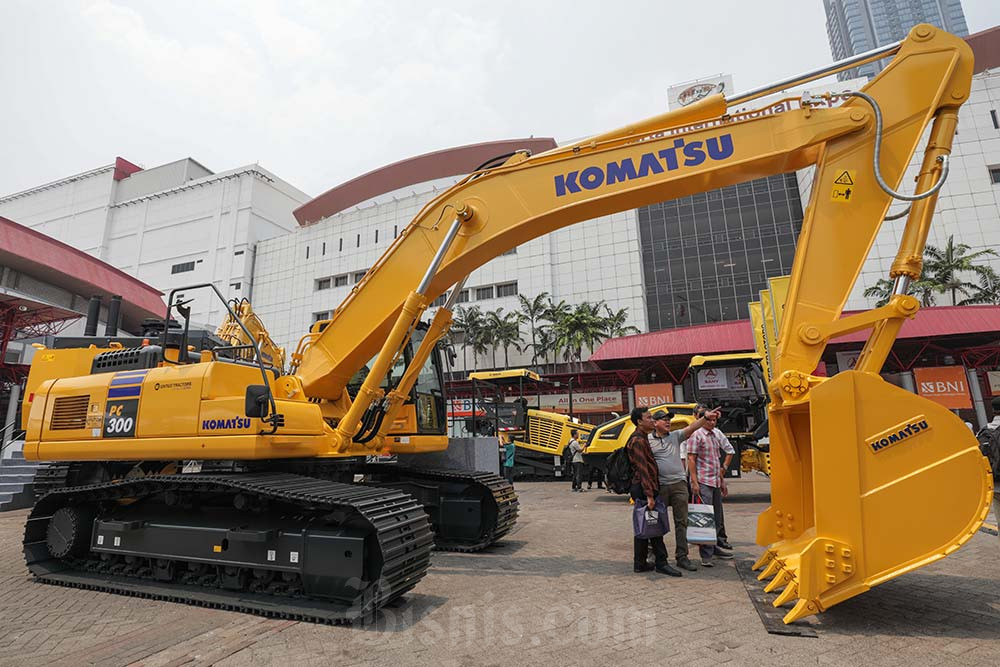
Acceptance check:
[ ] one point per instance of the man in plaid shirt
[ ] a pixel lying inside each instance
(708, 481)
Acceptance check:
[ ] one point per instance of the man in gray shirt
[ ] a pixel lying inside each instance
(670, 458)
(576, 451)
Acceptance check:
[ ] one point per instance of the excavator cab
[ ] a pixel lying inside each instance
(424, 412)
(736, 384)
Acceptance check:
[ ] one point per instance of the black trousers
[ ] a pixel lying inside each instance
(578, 475)
(595, 474)
(640, 546)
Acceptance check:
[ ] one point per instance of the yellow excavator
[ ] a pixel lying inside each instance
(197, 476)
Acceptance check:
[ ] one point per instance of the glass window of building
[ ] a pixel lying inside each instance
(507, 289)
(706, 256)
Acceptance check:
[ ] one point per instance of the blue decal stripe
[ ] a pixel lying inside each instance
(118, 382)
(124, 392)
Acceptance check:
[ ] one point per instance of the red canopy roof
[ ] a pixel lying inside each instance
(56, 263)
(736, 337)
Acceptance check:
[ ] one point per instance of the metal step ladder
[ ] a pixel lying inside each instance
(16, 476)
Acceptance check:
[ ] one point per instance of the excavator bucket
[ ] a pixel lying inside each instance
(869, 481)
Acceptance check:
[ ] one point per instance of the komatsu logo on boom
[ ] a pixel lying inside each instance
(668, 159)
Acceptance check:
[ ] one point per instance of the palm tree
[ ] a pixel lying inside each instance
(581, 327)
(493, 321)
(545, 344)
(471, 323)
(614, 323)
(533, 311)
(555, 311)
(988, 290)
(508, 334)
(943, 266)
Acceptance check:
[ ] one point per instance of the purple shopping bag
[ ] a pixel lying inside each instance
(650, 522)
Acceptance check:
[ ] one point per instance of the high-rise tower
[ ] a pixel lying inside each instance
(856, 26)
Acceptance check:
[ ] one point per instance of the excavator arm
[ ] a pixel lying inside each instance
(844, 512)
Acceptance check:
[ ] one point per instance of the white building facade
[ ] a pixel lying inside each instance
(169, 226)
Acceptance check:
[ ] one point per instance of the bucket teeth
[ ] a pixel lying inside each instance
(772, 569)
(802, 609)
(781, 580)
(764, 559)
(790, 593)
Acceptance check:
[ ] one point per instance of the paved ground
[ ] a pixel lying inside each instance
(557, 591)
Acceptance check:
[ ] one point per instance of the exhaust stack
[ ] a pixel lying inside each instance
(93, 314)
(114, 316)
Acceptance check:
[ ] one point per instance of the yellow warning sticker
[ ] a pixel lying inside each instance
(217, 548)
(844, 187)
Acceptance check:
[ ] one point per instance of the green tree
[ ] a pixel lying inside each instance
(493, 321)
(988, 290)
(944, 268)
(508, 333)
(581, 327)
(533, 311)
(471, 323)
(555, 311)
(614, 323)
(546, 343)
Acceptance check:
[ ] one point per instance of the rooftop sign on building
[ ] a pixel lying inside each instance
(687, 93)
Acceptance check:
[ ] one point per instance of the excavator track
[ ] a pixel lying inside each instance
(51, 476)
(469, 510)
(326, 522)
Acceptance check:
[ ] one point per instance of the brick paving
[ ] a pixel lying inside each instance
(559, 590)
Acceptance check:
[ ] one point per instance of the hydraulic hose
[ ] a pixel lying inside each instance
(943, 159)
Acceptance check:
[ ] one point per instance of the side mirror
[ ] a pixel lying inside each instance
(255, 404)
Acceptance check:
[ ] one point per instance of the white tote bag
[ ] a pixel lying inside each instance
(701, 522)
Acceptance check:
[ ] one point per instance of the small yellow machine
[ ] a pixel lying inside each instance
(197, 476)
(615, 433)
(539, 436)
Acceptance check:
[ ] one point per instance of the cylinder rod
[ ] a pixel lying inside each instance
(453, 297)
(439, 256)
(812, 75)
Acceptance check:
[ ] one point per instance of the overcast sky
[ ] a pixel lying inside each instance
(320, 91)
